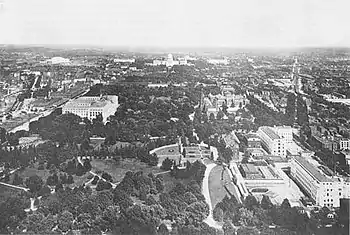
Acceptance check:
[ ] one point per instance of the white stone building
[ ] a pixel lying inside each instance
(324, 190)
(272, 142)
(91, 106)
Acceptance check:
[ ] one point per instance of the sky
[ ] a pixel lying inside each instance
(176, 23)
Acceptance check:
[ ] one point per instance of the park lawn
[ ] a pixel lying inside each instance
(118, 171)
(30, 171)
(216, 186)
(80, 180)
(172, 150)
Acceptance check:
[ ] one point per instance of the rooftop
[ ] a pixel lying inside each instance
(312, 170)
(250, 169)
(270, 133)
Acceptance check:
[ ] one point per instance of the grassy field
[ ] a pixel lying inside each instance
(216, 186)
(169, 152)
(44, 174)
(30, 171)
(118, 171)
(79, 180)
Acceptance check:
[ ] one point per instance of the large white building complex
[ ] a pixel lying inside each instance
(324, 190)
(170, 62)
(58, 60)
(272, 142)
(91, 106)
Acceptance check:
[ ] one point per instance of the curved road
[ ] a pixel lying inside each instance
(205, 191)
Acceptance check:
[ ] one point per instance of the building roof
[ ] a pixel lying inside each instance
(87, 103)
(270, 133)
(312, 170)
(249, 169)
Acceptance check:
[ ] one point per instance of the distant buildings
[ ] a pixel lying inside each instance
(92, 106)
(170, 62)
(58, 60)
(228, 99)
(325, 191)
(218, 61)
(124, 61)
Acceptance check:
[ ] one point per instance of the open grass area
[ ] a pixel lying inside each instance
(44, 174)
(118, 171)
(172, 150)
(79, 180)
(216, 186)
(30, 171)
(169, 152)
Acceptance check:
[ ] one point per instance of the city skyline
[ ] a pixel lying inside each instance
(135, 23)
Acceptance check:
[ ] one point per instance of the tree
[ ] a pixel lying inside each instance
(33, 222)
(153, 160)
(220, 115)
(65, 221)
(45, 191)
(17, 180)
(246, 217)
(251, 202)
(212, 117)
(102, 185)
(167, 164)
(63, 178)
(80, 170)
(266, 202)
(285, 204)
(95, 180)
(34, 183)
(247, 231)
(228, 228)
(107, 177)
(87, 165)
(11, 213)
(70, 179)
(163, 230)
(218, 214)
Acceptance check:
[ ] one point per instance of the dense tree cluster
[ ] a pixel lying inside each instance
(194, 171)
(146, 112)
(253, 217)
(60, 128)
(265, 116)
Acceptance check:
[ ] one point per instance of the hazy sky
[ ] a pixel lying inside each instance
(233, 23)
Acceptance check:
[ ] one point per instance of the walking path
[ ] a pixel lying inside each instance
(14, 186)
(205, 191)
(114, 185)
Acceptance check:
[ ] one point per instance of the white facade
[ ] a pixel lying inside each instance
(58, 60)
(344, 144)
(272, 141)
(170, 62)
(218, 61)
(124, 60)
(91, 106)
(285, 132)
(325, 191)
